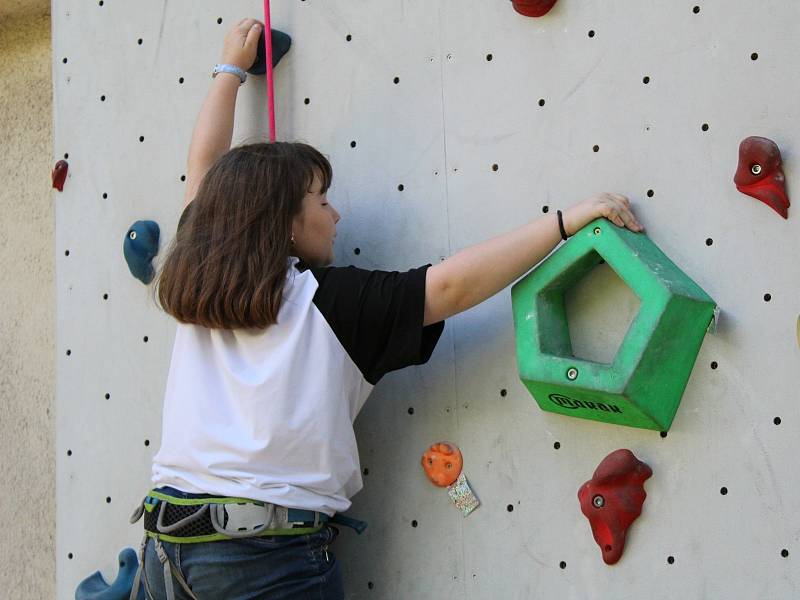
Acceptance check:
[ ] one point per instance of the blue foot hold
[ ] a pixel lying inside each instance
(141, 245)
(281, 43)
(95, 587)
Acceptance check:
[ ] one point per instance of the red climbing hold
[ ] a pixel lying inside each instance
(60, 175)
(612, 499)
(533, 8)
(760, 173)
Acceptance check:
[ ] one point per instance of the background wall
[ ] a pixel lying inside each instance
(27, 317)
(448, 123)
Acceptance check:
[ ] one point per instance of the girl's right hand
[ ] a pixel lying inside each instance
(241, 43)
(614, 207)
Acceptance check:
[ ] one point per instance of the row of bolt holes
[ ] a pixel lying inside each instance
(562, 564)
(489, 57)
(503, 394)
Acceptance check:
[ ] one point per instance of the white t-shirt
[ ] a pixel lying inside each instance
(267, 414)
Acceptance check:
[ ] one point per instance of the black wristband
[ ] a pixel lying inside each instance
(563, 231)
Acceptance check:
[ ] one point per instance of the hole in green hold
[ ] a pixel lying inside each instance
(599, 308)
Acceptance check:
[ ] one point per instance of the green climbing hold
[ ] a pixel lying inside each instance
(643, 385)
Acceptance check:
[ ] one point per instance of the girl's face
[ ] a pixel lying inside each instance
(315, 227)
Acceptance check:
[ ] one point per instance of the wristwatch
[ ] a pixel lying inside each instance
(229, 69)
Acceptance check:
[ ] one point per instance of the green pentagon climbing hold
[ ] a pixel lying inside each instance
(644, 384)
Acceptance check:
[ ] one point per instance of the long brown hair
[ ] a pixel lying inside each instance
(226, 266)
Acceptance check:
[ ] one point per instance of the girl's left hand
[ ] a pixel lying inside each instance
(241, 43)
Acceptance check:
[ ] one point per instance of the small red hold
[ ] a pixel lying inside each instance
(59, 175)
(612, 499)
(533, 8)
(760, 174)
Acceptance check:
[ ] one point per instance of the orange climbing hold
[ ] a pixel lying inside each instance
(442, 463)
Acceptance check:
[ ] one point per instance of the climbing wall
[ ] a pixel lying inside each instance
(448, 123)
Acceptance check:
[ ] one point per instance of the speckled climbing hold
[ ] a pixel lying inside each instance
(59, 175)
(533, 8)
(95, 587)
(281, 42)
(442, 463)
(760, 173)
(140, 247)
(612, 500)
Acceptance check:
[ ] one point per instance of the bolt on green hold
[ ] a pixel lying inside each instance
(643, 385)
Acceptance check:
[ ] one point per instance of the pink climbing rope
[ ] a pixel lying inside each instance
(270, 86)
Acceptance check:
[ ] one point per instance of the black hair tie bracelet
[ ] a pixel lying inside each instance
(563, 231)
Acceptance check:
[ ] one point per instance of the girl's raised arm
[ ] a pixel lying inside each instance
(213, 130)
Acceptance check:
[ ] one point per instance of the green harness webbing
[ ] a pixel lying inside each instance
(216, 508)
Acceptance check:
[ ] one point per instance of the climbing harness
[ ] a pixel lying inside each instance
(208, 519)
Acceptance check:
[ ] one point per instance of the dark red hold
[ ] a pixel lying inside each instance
(612, 499)
(533, 8)
(60, 175)
(760, 173)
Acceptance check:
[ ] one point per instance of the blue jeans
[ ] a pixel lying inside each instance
(259, 568)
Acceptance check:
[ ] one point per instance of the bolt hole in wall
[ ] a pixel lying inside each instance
(596, 333)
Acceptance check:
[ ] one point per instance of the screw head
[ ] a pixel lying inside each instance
(756, 169)
(598, 501)
(572, 373)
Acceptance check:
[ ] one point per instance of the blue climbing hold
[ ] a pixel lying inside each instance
(141, 245)
(95, 587)
(281, 42)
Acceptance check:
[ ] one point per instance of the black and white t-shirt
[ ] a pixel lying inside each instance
(268, 414)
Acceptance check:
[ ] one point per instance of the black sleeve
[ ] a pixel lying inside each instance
(377, 316)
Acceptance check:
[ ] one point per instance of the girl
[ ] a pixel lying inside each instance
(275, 353)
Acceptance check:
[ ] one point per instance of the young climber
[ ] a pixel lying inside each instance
(276, 352)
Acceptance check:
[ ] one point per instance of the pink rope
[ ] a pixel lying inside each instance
(270, 84)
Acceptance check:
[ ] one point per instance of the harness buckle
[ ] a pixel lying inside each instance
(243, 520)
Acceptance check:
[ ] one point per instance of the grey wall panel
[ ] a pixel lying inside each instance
(453, 115)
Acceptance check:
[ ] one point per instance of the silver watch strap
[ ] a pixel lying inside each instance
(229, 69)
